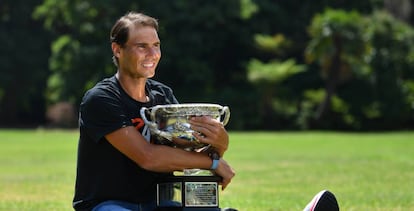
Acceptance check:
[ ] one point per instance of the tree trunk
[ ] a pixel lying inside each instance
(332, 80)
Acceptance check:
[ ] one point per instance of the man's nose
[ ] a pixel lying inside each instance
(154, 52)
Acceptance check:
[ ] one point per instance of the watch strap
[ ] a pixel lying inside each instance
(214, 165)
(215, 157)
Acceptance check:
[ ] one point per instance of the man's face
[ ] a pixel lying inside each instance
(141, 53)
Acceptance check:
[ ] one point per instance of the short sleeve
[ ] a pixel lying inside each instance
(101, 113)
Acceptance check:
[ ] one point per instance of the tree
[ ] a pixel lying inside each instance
(376, 82)
(24, 69)
(392, 77)
(337, 44)
(290, 18)
(206, 45)
(267, 77)
(198, 44)
(79, 54)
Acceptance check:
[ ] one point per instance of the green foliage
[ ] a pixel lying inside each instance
(381, 99)
(247, 54)
(78, 56)
(338, 32)
(392, 65)
(312, 98)
(268, 76)
(273, 72)
(186, 49)
(371, 57)
(23, 64)
(198, 43)
(247, 8)
(338, 45)
(276, 44)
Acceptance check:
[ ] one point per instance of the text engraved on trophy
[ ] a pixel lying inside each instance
(200, 194)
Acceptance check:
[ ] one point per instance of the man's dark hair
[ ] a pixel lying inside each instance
(120, 30)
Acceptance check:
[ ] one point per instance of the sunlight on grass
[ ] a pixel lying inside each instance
(366, 171)
(37, 169)
(278, 171)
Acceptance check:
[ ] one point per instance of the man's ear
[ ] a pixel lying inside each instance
(116, 49)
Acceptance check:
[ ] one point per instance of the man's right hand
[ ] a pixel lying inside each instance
(226, 172)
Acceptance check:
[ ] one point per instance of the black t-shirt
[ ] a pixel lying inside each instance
(103, 172)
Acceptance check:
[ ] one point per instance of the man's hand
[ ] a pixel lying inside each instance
(226, 172)
(210, 131)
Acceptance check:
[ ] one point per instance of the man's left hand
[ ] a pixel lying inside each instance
(210, 131)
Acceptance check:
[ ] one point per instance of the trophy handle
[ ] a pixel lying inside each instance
(226, 113)
(153, 126)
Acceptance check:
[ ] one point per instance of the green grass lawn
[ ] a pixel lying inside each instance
(277, 171)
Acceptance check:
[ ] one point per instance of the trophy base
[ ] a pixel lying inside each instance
(188, 193)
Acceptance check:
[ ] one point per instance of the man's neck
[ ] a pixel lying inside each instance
(134, 87)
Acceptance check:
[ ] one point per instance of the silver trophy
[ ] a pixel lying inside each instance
(193, 189)
(169, 123)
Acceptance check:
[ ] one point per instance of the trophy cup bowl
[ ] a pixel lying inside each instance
(169, 123)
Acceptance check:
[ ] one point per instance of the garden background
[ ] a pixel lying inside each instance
(321, 94)
(279, 65)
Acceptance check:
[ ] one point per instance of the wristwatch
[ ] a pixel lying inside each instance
(215, 157)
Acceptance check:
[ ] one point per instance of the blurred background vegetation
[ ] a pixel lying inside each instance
(278, 65)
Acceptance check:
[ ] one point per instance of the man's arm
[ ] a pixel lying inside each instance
(160, 158)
